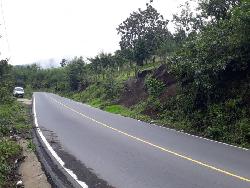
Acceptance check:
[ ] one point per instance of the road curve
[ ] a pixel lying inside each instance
(127, 153)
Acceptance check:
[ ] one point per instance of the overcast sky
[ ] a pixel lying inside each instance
(45, 29)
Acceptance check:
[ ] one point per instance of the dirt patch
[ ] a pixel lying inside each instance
(162, 74)
(31, 171)
(134, 92)
(25, 101)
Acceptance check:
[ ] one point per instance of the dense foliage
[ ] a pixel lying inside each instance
(6, 81)
(142, 33)
(13, 122)
(214, 71)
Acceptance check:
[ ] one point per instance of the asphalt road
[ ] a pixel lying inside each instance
(128, 153)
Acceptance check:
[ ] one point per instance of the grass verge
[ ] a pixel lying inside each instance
(14, 124)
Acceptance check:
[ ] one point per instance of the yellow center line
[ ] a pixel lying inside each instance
(158, 147)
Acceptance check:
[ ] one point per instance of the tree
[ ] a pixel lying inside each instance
(187, 22)
(76, 73)
(63, 62)
(207, 12)
(216, 59)
(217, 10)
(6, 81)
(119, 59)
(142, 32)
(106, 60)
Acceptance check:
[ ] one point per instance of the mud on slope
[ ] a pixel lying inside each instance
(136, 91)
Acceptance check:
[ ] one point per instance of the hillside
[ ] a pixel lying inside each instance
(195, 80)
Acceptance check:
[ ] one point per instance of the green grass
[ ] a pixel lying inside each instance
(22, 127)
(97, 103)
(92, 92)
(13, 115)
(150, 66)
(31, 146)
(9, 151)
(118, 109)
(14, 118)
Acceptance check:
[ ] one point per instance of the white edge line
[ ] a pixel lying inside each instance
(52, 151)
(200, 137)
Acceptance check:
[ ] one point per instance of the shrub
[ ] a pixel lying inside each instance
(243, 131)
(9, 150)
(112, 89)
(154, 86)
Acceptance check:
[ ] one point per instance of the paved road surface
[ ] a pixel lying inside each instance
(128, 153)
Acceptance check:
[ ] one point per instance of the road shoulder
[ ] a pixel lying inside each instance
(31, 171)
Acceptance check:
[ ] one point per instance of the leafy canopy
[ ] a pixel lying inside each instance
(142, 32)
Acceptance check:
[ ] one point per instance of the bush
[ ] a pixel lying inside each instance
(154, 104)
(154, 86)
(112, 89)
(6, 119)
(92, 92)
(13, 116)
(243, 132)
(13, 120)
(9, 150)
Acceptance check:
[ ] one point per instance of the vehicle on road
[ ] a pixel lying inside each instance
(18, 92)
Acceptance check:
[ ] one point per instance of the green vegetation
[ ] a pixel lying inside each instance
(213, 71)
(14, 123)
(9, 151)
(196, 79)
(118, 109)
(154, 87)
(142, 33)
(31, 146)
